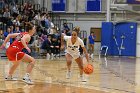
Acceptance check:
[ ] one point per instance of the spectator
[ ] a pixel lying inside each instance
(8, 32)
(6, 13)
(37, 44)
(55, 46)
(65, 27)
(17, 30)
(47, 45)
(91, 43)
(1, 37)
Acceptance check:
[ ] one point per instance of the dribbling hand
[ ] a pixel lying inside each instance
(62, 47)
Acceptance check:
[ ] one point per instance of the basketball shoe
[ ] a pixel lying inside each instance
(10, 78)
(27, 79)
(68, 75)
(82, 78)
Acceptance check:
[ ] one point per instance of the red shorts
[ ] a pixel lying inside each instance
(14, 54)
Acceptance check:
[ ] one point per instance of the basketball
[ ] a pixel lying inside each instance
(88, 69)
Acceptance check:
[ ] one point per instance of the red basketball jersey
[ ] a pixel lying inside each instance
(14, 51)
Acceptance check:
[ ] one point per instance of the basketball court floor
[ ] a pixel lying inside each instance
(111, 75)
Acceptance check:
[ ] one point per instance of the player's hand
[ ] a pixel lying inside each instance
(2, 46)
(62, 47)
(28, 49)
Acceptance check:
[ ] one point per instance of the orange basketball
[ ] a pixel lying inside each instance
(88, 69)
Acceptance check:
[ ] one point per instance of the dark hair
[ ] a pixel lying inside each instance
(64, 23)
(29, 26)
(91, 32)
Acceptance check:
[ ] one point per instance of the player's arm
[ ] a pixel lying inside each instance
(62, 42)
(86, 53)
(84, 50)
(8, 38)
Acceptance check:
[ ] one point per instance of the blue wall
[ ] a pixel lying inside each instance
(126, 29)
(106, 35)
(93, 5)
(133, 2)
(58, 5)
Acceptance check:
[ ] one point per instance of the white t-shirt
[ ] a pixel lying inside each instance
(73, 49)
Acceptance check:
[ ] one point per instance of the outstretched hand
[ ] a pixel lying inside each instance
(2, 46)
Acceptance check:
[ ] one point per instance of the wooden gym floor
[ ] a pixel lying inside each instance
(111, 75)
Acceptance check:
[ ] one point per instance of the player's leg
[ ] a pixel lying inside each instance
(31, 60)
(92, 51)
(79, 61)
(92, 48)
(69, 62)
(89, 48)
(15, 64)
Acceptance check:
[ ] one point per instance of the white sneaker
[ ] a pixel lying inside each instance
(48, 56)
(92, 56)
(52, 56)
(10, 78)
(68, 75)
(82, 78)
(27, 80)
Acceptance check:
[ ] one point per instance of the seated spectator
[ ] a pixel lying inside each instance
(43, 37)
(16, 22)
(2, 5)
(15, 11)
(55, 46)
(47, 46)
(1, 36)
(17, 30)
(65, 27)
(37, 44)
(8, 32)
(6, 13)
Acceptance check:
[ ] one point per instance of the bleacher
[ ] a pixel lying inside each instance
(27, 12)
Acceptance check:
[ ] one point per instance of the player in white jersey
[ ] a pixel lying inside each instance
(73, 43)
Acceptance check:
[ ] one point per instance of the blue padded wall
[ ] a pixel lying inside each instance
(106, 35)
(126, 29)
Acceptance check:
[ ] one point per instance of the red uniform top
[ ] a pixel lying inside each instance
(14, 52)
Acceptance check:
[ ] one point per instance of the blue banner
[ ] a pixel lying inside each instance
(133, 1)
(58, 5)
(93, 5)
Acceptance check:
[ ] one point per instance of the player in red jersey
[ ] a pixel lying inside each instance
(15, 54)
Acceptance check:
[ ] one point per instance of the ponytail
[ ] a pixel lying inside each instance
(77, 29)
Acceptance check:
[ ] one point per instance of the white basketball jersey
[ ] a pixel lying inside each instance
(73, 48)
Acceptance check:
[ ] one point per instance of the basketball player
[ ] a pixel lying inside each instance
(73, 43)
(15, 55)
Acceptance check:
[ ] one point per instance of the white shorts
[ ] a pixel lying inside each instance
(74, 56)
